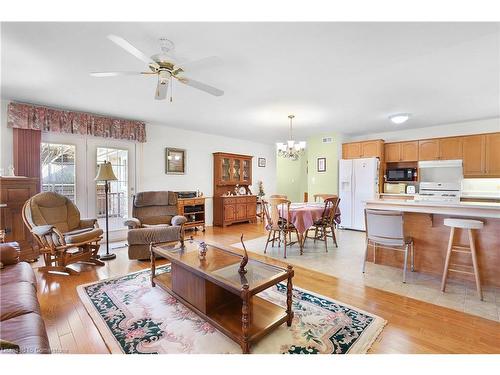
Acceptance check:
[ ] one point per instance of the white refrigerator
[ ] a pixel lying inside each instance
(358, 182)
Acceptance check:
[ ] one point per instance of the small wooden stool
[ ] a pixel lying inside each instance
(471, 249)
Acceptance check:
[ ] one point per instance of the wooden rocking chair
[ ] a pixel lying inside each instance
(63, 237)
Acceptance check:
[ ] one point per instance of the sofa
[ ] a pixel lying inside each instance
(22, 329)
(154, 220)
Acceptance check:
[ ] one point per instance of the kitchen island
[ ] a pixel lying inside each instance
(423, 221)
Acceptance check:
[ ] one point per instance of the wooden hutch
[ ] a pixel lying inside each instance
(231, 170)
(14, 191)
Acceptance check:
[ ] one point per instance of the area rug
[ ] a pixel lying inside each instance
(133, 318)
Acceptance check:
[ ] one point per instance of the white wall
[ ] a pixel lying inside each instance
(445, 130)
(199, 161)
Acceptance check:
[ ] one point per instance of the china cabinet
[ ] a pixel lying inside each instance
(233, 202)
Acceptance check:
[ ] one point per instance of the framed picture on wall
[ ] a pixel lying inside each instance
(262, 162)
(321, 164)
(175, 161)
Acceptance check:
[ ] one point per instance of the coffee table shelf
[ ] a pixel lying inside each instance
(213, 289)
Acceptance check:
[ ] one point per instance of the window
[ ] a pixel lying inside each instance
(58, 169)
(118, 192)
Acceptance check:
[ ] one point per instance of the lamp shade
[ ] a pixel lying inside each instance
(105, 172)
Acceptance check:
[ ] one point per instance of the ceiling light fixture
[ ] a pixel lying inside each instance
(291, 149)
(399, 118)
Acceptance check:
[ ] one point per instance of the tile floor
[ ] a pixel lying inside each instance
(346, 263)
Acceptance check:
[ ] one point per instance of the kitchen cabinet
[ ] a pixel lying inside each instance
(401, 151)
(473, 154)
(492, 155)
(450, 148)
(428, 149)
(351, 150)
(392, 152)
(409, 151)
(366, 149)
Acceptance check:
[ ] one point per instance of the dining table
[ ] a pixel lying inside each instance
(304, 214)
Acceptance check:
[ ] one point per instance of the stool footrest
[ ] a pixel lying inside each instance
(464, 269)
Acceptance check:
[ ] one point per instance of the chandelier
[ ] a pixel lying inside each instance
(291, 149)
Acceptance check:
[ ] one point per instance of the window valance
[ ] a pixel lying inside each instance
(29, 116)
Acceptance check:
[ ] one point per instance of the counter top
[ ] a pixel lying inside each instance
(481, 195)
(472, 209)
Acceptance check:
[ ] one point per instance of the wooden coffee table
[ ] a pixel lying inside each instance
(215, 290)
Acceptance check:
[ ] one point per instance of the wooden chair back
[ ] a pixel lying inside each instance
(331, 206)
(277, 207)
(279, 196)
(319, 197)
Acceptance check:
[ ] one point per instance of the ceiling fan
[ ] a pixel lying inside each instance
(166, 66)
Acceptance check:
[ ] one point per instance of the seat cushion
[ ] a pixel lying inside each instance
(155, 225)
(18, 299)
(82, 235)
(142, 236)
(27, 331)
(16, 273)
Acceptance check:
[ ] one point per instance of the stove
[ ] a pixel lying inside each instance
(439, 192)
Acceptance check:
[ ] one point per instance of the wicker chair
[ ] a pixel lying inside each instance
(64, 238)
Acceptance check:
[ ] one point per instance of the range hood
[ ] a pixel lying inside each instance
(440, 164)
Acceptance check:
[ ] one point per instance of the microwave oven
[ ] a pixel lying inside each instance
(400, 174)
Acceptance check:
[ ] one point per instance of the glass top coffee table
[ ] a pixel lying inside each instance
(215, 290)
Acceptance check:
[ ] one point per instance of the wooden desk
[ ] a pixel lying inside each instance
(213, 288)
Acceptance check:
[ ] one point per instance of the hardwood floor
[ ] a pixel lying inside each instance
(413, 326)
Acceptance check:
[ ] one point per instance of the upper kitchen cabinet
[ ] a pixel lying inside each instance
(440, 149)
(365, 149)
(492, 151)
(351, 150)
(401, 151)
(428, 149)
(372, 149)
(450, 148)
(473, 155)
(392, 152)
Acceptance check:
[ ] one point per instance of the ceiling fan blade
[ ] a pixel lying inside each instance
(206, 61)
(161, 90)
(114, 74)
(130, 48)
(201, 86)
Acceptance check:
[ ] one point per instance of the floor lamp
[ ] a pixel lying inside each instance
(105, 173)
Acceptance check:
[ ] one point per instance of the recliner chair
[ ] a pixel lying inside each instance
(154, 220)
(64, 238)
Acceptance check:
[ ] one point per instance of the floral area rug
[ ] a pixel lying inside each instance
(135, 318)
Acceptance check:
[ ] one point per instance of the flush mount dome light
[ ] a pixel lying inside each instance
(399, 118)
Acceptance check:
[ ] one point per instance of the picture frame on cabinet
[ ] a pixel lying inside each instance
(175, 161)
(262, 162)
(321, 164)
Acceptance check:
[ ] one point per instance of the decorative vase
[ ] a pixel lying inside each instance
(202, 250)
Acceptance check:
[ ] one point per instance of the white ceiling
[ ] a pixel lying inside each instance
(345, 77)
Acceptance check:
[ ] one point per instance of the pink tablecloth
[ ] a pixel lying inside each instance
(303, 215)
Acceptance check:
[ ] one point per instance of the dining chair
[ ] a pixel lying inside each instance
(277, 223)
(324, 228)
(385, 229)
(322, 197)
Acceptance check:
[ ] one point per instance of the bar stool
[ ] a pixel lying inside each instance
(471, 249)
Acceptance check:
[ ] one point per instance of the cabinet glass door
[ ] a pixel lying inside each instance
(236, 170)
(226, 167)
(246, 170)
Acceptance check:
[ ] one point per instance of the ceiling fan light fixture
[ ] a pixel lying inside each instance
(399, 118)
